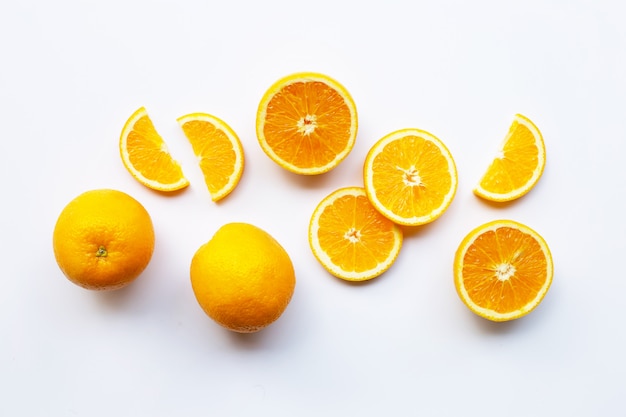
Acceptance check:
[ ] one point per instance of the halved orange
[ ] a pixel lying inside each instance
(350, 238)
(410, 177)
(146, 157)
(307, 123)
(218, 150)
(518, 164)
(502, 270)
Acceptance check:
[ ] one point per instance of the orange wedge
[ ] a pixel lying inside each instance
(145, 155)
(410, 177)
(307, 123)
(350, 238)
(218, 150)
(518, 165)
(502, 270)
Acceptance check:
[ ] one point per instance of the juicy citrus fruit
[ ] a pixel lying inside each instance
(502, 270)
(242, 278)
(103, 239)
(307, 123)
(145, 155)
(350, 238)
(410, 177)
(218, 150)
(518, 165)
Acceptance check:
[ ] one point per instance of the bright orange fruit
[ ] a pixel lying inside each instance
(146, 157)
(502, 270)
(103, 239)
(218, 150)
(242, 278)
(307, 123)
(518, 165)
(350, 238)
(410, 177)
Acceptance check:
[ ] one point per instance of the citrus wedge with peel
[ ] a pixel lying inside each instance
(410, 177)
(502, 270)
(218, 149)
(518, 165)
(307, 123)
(350, 238)
(145, 155)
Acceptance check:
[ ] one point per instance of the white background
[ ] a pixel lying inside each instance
(72, 72)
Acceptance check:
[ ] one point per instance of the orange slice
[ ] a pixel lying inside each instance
(145, 155)
(410, 177)
(218, 150)
(307, 123)
(518, 165)
(350, 238)
(502, 270)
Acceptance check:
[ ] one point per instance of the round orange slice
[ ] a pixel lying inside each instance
(350, 238)
(518, 164)
(146, 157)
(218, 150)
(307, 123)
(502, 270)
(410, 177)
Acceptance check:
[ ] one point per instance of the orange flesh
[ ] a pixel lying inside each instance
(146, 153)
(512, 171)
(354, 235)
(212, 146)
(500, 250)
(307, 124)
(411, 177)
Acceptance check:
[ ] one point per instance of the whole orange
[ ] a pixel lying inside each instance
(103, 239)
(242, 278)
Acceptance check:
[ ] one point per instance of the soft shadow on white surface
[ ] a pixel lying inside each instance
(401, 344)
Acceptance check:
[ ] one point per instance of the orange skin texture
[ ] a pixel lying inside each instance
(242, 278)
(103, 240)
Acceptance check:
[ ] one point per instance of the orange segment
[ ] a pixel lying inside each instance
(518, 165)
(145, 155)
(350, 238)
(218, 150)
(502, 270)
(307, 123)
(410, 177)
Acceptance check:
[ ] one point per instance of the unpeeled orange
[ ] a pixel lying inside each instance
(242, 278)
(103, 239)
